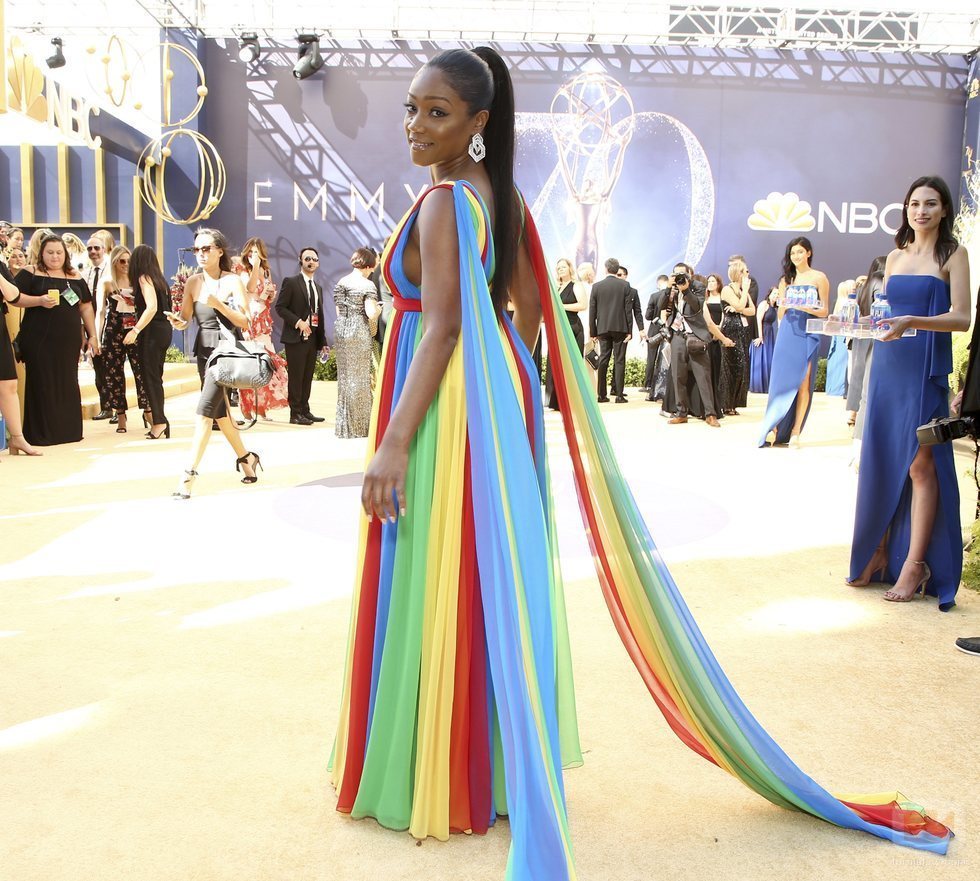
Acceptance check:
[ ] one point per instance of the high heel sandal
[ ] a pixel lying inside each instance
(22, 446)
(121, 423)
(186, 485)
(876, 566)
(255, 466)
(921, 586)
(147, 416)
(165, 433)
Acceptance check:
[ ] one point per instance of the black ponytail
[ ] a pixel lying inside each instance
(482, 80)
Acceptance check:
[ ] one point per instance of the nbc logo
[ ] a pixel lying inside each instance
(787, 212)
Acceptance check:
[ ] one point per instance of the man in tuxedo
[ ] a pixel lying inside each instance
(610, 314)
(300, 305)
(655, 337)
(98, 265)
(689, 343)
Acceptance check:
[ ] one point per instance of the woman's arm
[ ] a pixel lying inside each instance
(442, 320)
(88, 319)
(781, 297)
(24, 300)
(254, 277)
(763, 308)
(150, 298)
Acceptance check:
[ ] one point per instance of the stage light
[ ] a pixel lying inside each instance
(58, 59)
(249, 50)
(310, 59)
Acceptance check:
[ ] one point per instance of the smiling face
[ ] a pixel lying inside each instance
(438, 123)
(121, 269)
(563, 271)
(17, 259)
(925, 209)
(799, 255)
(712, 286)
(207, 254)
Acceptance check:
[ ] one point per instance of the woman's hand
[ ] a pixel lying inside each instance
(93, 347)
(383, 479)
(214, 302)
(757, 342)
(130, 338)
(896, 327)
(176, 322)
(727, 342)
(48, 302)
(956, 404)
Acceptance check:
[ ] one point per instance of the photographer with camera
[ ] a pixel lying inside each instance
(690, 335)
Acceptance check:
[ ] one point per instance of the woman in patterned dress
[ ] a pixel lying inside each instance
(352, 345)
(262, 291)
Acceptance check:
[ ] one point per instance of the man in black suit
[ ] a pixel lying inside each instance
(689, 343)
(610, 314)
(655, 337)
(300, 305)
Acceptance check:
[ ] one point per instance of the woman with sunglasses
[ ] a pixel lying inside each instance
(217, 298)
(117, 314)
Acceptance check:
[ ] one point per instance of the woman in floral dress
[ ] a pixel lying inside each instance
(262, 291)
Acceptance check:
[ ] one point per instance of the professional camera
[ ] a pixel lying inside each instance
(680, 278)
(941, 431)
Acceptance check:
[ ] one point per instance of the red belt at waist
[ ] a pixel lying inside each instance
(405, 304)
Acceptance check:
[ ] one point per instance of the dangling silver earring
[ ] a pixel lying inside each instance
(477, 149)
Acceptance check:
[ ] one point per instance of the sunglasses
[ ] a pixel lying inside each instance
(311, 259)
(123, 260)
(94, 248)
(204, 249)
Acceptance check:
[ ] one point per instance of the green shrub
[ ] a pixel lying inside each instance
(175, 356)
(971, 560)
(325, 371)
(820, 384)
(961, 357)
(636, 371)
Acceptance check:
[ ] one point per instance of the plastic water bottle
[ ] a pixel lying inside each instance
(790, 298)
(812, 297)
(850, 312)
(881, 312)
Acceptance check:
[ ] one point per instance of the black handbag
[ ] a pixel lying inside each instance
(592, 356)
(239, 364)
(695, 346)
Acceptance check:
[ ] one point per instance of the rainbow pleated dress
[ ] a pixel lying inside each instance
(458, 702)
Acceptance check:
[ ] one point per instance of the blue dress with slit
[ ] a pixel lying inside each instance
(908, 386)
(795, 352)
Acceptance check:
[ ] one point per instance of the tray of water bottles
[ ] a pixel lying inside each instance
(862, 329)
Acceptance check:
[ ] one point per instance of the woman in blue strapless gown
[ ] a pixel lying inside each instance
(836, 384)
(907, 523)
(760, 355)
(794, 358)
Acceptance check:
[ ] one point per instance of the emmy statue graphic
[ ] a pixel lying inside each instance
(592, 123)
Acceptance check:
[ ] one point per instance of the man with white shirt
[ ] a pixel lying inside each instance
(98, 265)
(300, 305)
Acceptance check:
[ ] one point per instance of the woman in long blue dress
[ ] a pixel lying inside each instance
(836, 385)
(760, 355)
(907, 523)
(794, 359)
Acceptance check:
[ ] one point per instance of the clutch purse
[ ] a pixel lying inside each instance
(592, 354)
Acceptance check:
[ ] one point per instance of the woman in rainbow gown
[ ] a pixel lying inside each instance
(457, 697)
(803, 294)
(907, 522)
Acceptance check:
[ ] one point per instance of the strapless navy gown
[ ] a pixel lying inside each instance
(907, 387)
(795, 351)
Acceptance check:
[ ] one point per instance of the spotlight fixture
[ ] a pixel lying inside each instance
(249, 49)
(58, 59)
(310, 59)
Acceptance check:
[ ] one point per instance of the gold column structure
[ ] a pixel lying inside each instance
(64, 191)
(137, 212)
(3, 61)
(101, 212)
(159, 215)
(27, 183)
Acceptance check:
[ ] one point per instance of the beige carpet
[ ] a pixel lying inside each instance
(170, 670)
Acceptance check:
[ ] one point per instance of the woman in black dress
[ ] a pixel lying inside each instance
(57, 303)
(574, 295)
(118, 316)
(151, 333)
(737, 304)
(9, 399)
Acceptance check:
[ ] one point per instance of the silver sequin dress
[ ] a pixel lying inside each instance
(353, 349)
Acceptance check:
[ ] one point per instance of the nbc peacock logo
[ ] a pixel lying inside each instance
(25, 83)
(782, 212)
